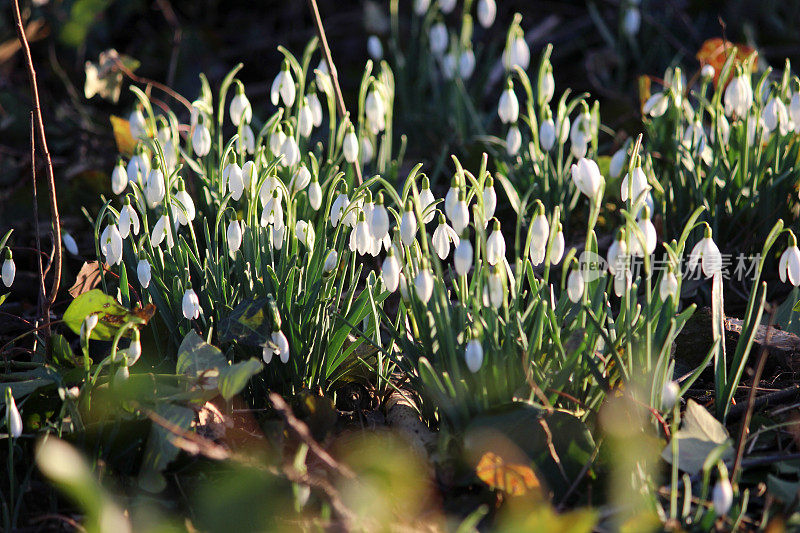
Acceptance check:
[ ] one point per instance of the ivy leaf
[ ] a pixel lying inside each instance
(233, 378)
(700, 434)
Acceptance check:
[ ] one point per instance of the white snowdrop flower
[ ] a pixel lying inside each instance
(517, 53)
(128, 220)
(283, 87)
(350, 213)
(367, 152)
(473, 355)
(379, 221)
(447, 6)
(548, 87)
(300, 179)
(722, 497)
(143, 273)
(706, 254)
(331, 261)
(776, 116)
(557, 248)
(278, 230)
(463, 258)
(122, 375)
(724, 127)
(489, 199)
(375, 110)
(340, 203)
(267, 353)
(460, 214)
(707, 72)
(738, 95)
(562, 130)
(249, 174)
(451, 198)
(449, 66)
(403, 285)
(575, 285)
(276, 140)
(669, 394)
(233, 236)
(232, 175)
(631, 21)
(668, 288)
(539, 235)
(13, 418)
(656, 105)
(87, 326)
(789, 264)
(138, 168)
(547, 134)
(487, 9)
(390, 271)
(375, 48)
(281, 346)
(622, 282)
(649, 231)
(423, 284)
(201, 140)
(190, 304)
(426, 199)
(350, 145)
(513, 140)
(495, 287)
(161, 231)
(305, 233)
(495, 245)
(443, 235)
(587, 178)
(508, 107)
(756, 125)
(182, 205)
(315, 194)
(360, 240)
(437, 36)
(305, 119)
(72, 246)
(155, 188)
(110, 245)
(617, 163)
(618, 254)
(240, 108)
(247, 140)
(268, 187)
(466, 64)
(794, 110)
(119, 178)
(9, 270)
(273, 211)
(290, 152)
(316, 109)
(579, 148)
(581, 131)
(137, 124)
(421, 7)
(638, 185)
(408, 225)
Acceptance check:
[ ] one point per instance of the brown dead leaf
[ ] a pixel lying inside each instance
(122, 134)
(512, 478)
(88, 278)
(716, 51)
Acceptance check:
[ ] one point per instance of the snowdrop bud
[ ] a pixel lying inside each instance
(447, 6)
(234, 236)
(134, 350)
(155, 189)
(316, 109)
(240, 108)
(379, 221)
(403, 284)
(390, 271)
(276, 140)
(87, 326)
(315, 194)
(617, 163)
(464, 257)
(72, 246)
(638, 185)
(267, 353)
(495, 287)
(487, 9)
(331, 261)
(375, 110)
(466, 64)
(548, 86)
(128, 220)
(9, 270)
(495, 245)
(557, 248)
(143, 273)
(201, 140)
(460, 213)
(122, 374)
(473, 355)
(281, 346)
(668, 288)
(738, 95)
(305, 119)
(119, 178)
(283, 87)
(547, 134)
(13, 418)
(423, 284)
(789, 264)
(575, 284)
(649, 231)
(190, 305)
(513, 140)
(508, 107)
(249, 174)
(451, 198)
(707, 72)
(517, 52)
(539, 234)
(375, 48)
(350, 145)
(408, 225)
(234, 177)
(489, 198)
(290, 151)
(111, 245)
(775, 116)
(722, 496)
(367, 151)
(426, 199)
(669, 394)
(631, 21)
(300, 179)
(421, 7)
(437, 36)
(587, 178)
(182, 205)
(656, 105)
(138, 124)
(618, 254)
